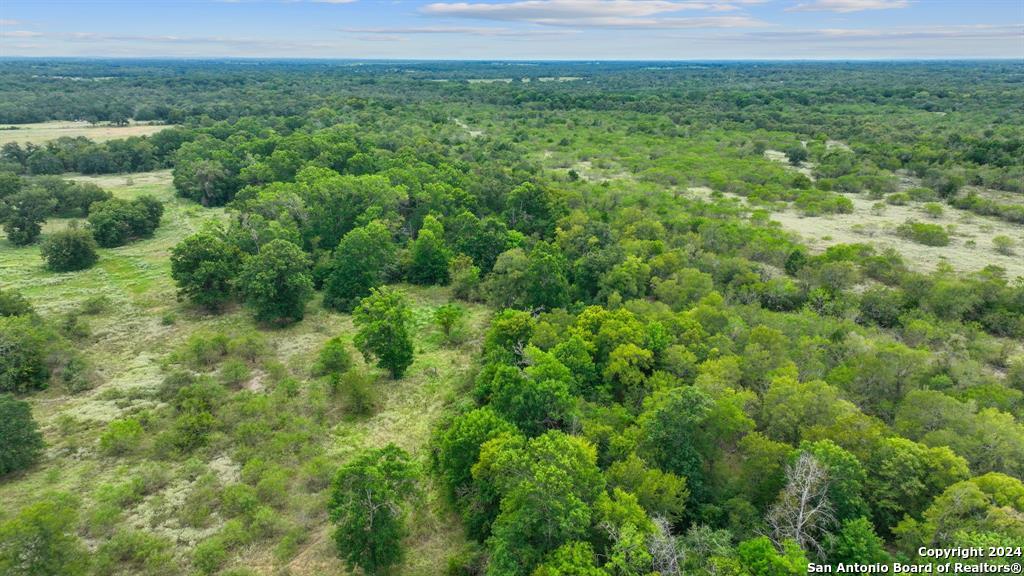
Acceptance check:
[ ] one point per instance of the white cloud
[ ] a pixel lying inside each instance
(9, 22)
(844, 6)
(458, 30)
(602, 13)
(20, 34)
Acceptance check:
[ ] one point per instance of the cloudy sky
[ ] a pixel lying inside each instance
(516, 29)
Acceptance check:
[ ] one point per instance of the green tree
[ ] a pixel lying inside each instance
(116, 221)
(428, 255)
(548, 488)
(204, 267)
(532, 209)
(40, 540)
(662, 494)
(383, 320)
(856, 542)
(572, 559)
(25, 345)
(276, 282)
(759, 557)
(532, 405)
(366, 505)
(362, 261)
(20, 440)
(24, 213)
(72, 248)
(458, 447)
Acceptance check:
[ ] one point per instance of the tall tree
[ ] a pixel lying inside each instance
(276, 282)
(383, 320)
(366, 505)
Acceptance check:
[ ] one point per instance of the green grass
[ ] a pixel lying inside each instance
(129, 349)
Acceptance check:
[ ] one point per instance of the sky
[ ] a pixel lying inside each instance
(516, 29)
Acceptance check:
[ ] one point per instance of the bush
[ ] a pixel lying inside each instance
(358, 389)
(452, 320)
(20, 441)
(333, 359)
(70, 249)
(1003, 244)
(209, 555)
(121, 437)
(933, 209)
(234, 372)
(922, 233)
(12, 303)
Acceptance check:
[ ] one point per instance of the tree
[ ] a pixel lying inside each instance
(532, 405)
(204, 267)
(670, 435)
(20, 440)
(116, 221)
(532, 209)
(856, 542)
(662, 494)
(547, 284)
(24, 213)
(366, 505)
(361, 262)
(205, 181)
(572, 559)
(846, 478)
(548, 488)
(41, 540)
(383, 320)
(428, 255)
(761, 558)
(796, 154)
(276, 282)
(803, 512)
(72, 248)
(458, 448)
(25, 346)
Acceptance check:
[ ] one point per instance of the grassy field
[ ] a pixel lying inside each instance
(45, 131)
(131, 345)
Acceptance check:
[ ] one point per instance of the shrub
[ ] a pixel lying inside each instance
(121, 437)
(209, 555)
(141, 552)
(20, 441)
(234, 372)
(41, 540)
(465, 278)
(933, 209)
(333, 359)
(1003, 244)
(897, 199)
(358, 389)
(922, 233)
(70, 249)
(12, 303)
(452, 320)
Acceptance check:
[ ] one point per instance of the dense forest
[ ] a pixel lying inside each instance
(513, 319)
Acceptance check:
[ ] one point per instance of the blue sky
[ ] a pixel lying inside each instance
(516, 29)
